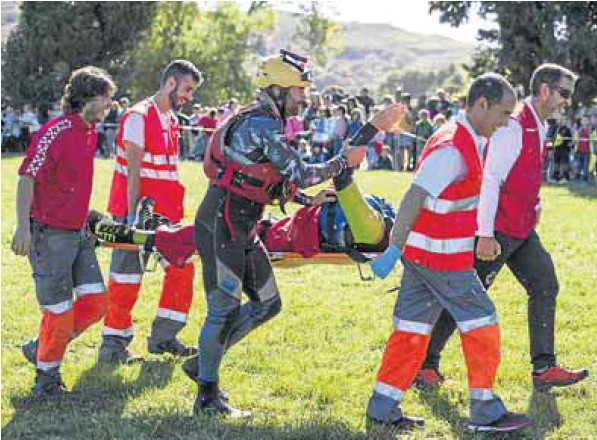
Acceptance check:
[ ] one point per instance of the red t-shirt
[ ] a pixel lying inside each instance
(208, 122)
(60, 160)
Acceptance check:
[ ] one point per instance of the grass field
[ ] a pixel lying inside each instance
(308, 373)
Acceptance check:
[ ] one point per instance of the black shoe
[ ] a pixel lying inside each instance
(49, 385)
(29, 350)
(210, 403)
(403, 423)
(508, 422)
(190, 366)
(122, 357)
(174, 347)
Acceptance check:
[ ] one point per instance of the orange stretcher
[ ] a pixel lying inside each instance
(286, 259)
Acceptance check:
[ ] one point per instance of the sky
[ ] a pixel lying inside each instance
(409, 15)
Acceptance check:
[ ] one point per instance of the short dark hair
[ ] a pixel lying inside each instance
(84, 85)
(490, 86)
(550, 74)
(179, 68)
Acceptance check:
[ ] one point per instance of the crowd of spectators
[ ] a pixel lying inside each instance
(329, 119)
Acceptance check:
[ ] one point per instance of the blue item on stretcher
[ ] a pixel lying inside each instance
(386, 262)
(336, 235)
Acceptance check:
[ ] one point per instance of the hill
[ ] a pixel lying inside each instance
(372, 51)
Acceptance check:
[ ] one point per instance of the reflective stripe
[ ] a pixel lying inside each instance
(48, 365)
(91, 288)
(441, 206)
(125, 333)
(149, 173)
(159, 174)
(388, 391)
(156, 159)
(472, 324)
(421, 328)
(59, 308)
(126, 278)
(172, 314)
(440, 246)
(482, 393)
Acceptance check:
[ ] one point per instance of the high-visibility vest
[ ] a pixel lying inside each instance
(519, 195)
(443, 235)
(159, 175)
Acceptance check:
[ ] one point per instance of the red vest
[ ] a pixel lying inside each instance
(516, 215)
(584, 137)
(259, 182)
(159, 174)
(443, 235)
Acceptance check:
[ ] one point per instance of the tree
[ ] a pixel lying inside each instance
(320, 35)
(220, 41)
(531, 33)
(54, 38)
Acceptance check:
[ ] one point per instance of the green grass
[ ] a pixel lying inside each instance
(309, 372)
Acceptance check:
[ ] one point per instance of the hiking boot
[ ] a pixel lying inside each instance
(120, 357)
(209, 402)
(508, 422)
(29, 350)
(49, 385)
(557, 377)
(429, 378)
(173, 346)
(403, 423)
(190, 366)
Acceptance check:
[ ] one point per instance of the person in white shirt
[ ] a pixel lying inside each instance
(508, 212)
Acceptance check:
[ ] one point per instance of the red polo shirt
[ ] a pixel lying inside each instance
(60, 160)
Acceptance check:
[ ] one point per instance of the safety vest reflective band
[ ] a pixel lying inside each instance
(89, 289)
(159, 177)
(443, 235)
(124, 333)
(45, 366)
(58, 309)
(519, 195)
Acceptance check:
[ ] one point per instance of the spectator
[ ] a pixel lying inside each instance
(317, 155)
(445, 105)
(406, 139)
(438, 121)
(583, 150)
(433, 107)
(125, 103)
(353, 104)
(562, 147)
(29, 125)
(185, 137)
(384, 162)
(304, 150)
(207, 123)
(366, 101)
(423, 130)
(292, 130)
(356, 122)
(11, 130)
(340, 130)
(322, 128)
(111, 120)
(312, 109)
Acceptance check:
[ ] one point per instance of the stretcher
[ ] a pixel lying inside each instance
(282, 259)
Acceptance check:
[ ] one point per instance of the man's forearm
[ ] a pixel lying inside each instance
(365, 135)
(25, 189)
(407, 213)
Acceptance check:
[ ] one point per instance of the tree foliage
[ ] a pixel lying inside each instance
(319, 34)
(53, 38)
(424, 83)
(219, 41)
(531, 33)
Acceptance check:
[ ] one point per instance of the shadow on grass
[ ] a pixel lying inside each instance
(100, 391)
(587, 190)
(543, 408)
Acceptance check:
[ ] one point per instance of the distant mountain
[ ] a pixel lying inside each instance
(372, 51)
(9, 18)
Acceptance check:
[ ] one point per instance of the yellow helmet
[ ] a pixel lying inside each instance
(285, 70)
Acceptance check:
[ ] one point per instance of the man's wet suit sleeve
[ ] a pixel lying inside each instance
(407, 213)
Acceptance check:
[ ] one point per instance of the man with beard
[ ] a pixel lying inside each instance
(52, 202)
(146, 165)
(508, 213)
(249, 164)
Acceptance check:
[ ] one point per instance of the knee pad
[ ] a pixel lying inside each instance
(267, 310)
